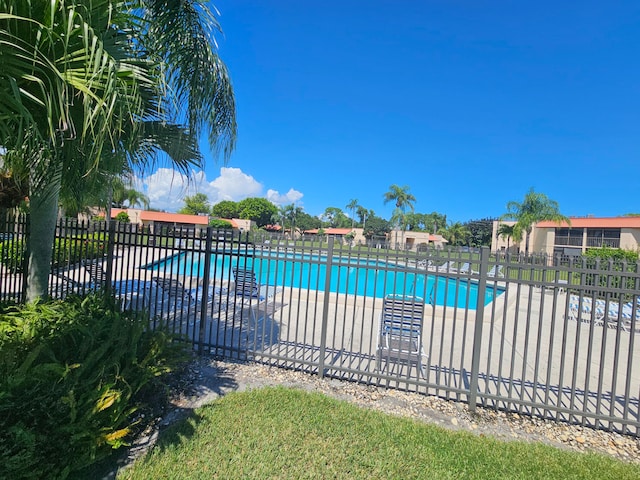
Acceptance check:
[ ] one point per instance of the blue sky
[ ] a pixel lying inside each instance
(468, 103)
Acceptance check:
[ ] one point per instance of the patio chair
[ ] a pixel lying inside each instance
(400, 335)
(466, 268)
(601, 312)
(258, 298)
(97, 273)
(427, 264)
(134, 294)
(62, 285)
(178, 299)
(619, 318)
(582, 309)
(495, 271)
(447, 267)
(631, 315)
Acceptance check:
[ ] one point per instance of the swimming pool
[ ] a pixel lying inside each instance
(352, 276)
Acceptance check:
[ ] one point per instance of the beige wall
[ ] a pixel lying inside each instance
(243, 225)
(413, 239)
(498, 243)
(629, 239)
(134, 215)
(542, 240)
(359, 239)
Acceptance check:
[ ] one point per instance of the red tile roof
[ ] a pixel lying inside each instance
(595, 222)
(149, 216)
(437, 238)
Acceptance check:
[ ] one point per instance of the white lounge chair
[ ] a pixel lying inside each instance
(466, 268)
(400, 334)
(495, 271)
(447, 267)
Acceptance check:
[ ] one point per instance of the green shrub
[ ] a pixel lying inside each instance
(72, 377)
(617, 255)
(66, 251)
(12, 255)
(613, 266)
(220, 224)
(123, 217)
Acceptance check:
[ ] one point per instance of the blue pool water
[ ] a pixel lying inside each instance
(351, 276)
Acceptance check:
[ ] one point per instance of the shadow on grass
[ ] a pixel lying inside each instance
(177, 425)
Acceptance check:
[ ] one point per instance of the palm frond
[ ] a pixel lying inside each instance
(183, 35)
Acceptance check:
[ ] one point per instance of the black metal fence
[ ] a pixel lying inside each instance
(554, 341)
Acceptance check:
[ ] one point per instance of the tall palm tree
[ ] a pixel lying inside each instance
(363, 214)
(352, 205)
(290, 213)
(403, 200)
(536, 207)
(90, 88)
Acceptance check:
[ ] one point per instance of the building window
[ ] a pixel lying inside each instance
(569, 236)
(603, 237)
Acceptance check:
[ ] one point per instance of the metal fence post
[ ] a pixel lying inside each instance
(25, 259)
(477, 331)
(325, 309)
(111, 240)
(205, 290)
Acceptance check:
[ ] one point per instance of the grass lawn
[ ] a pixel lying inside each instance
(285, 433)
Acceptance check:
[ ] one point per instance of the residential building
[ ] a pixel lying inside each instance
(418, 240)
(164, 221)
(337, 233)
(576, 238)
(167, 221)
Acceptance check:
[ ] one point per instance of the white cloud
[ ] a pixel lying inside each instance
(166, 188)
(292, 196)
(233, 184)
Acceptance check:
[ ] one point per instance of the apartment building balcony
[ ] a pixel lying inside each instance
(603, 242)
(569, 241)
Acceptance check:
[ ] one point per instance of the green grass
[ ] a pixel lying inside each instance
(286, 433)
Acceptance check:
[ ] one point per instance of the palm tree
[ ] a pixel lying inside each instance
(456, 233)
(536, 207)
(124, 195)
(111, 191)
(403, 200)
(352, 205)
(507, 232)
(88, 91)
(363, 214)
(279, 218)
(290, 213)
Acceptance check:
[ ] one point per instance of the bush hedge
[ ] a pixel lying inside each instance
(66, 251)
(615, 268)
(73, 375)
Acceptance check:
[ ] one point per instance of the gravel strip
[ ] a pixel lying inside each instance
(207, 379)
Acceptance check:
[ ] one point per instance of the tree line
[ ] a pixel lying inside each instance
(534, 208)
(290, 217)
